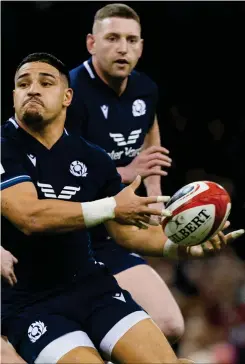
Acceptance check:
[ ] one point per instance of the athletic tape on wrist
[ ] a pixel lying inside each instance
(170, 249)
(99, 211)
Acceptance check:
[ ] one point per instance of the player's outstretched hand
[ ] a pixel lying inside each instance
(7, 266)
(149, 162)
(218, 242)
(134, 210)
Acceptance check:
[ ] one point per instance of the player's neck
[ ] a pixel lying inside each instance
(118, 85)
(47, 135)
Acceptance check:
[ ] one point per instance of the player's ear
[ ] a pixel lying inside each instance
(68, 96)
(13, 97)
(90, 42)
(141, 47)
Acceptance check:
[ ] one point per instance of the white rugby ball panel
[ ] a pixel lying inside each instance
(191, 226)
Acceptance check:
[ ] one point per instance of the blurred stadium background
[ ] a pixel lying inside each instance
(195, 53)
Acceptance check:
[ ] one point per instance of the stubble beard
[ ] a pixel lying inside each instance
(33, 119)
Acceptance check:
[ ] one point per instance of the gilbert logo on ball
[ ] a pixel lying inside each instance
(199, 210)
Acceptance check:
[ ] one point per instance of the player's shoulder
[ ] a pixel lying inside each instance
(92, 146)
(141, 81)
(79, 74)
(93, 150)
(10, 143)
(8, 131)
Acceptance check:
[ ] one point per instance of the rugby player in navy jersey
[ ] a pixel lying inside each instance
(115, 107)
(55, 187)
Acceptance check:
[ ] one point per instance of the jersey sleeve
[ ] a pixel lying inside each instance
(12, 170)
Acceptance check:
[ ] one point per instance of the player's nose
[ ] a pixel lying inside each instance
(34, 89)
(123, 46)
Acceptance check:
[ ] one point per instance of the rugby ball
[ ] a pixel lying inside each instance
(199, 210)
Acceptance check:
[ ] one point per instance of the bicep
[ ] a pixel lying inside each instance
(18, 192)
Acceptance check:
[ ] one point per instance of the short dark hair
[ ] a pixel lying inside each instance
(47, 58)
(117, 10)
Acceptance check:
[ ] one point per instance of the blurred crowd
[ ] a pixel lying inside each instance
(211, 295)
(211, 291)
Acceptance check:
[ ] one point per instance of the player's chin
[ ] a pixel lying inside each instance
(32, 117)
(121, 73)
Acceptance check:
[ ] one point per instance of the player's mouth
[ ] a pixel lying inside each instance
(121, 61)
(34, 101)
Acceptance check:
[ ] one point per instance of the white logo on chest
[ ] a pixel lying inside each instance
(138, 108)
(65, 194)
(120, 139)
(78, 169)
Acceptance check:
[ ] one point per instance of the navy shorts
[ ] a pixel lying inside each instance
(96, 305)
(115, 257)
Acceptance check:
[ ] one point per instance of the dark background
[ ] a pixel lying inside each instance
(195, 53)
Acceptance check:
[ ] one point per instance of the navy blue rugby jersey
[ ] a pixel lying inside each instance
(72, 170)
(118, 124)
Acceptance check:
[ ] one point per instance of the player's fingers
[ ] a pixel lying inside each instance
(166, 212)
(15, 260)
(218, 241)
(157, 162)
(159, 156)
(13, 277)
(154, 199)
(152, 220)
(135, 184)
(207, 248)
(149, 211)
(9, 280)
(154, 149)
(140, 225)
(155, 172)
(234, 235)
(196, 251)
(227, 224)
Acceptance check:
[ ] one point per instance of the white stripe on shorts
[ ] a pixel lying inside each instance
(117, 331)
(62, 345)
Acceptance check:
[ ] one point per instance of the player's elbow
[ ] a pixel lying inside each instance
(30, 222)
(30, 226)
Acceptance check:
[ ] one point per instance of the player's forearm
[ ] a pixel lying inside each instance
(150, 242)
(49, 216)
(143, 241)
(153, 185)
(153, 136)
(52, 216)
